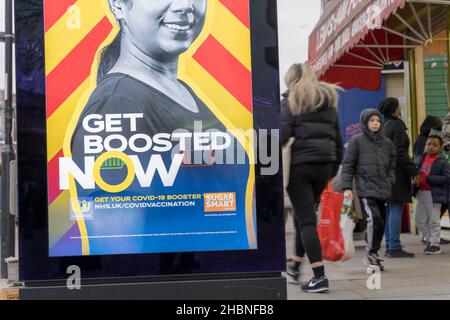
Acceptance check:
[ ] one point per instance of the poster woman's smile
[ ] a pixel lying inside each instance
(182, 24)
(161, 27)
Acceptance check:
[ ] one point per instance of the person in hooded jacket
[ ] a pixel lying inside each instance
(370, 160)
(395, 129)
(446, 134)
(430, 123)
(446, 149)
(431, 191)
(309, 115)
(433, 126)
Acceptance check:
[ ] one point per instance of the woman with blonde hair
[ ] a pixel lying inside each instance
(309, 115)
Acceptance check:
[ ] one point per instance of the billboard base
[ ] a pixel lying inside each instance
(261, 288)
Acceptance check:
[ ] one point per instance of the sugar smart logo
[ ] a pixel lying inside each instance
(220, 201)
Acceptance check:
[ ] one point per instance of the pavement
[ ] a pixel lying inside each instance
(420, 278)
(4, 282)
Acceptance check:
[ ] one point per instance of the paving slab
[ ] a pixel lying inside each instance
(420, 278)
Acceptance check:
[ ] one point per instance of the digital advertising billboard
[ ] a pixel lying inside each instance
(148, 140)
(149, 119)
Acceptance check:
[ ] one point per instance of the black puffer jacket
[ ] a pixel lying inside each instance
(395, 130)
(317, 135)
(370, 159)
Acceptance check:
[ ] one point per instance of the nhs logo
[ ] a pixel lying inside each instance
(86, 207)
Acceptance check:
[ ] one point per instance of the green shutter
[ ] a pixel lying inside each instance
(436, 78)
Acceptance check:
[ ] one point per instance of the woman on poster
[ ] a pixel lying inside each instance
(138, 74)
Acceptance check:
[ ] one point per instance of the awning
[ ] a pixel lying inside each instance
(344, 25)
(361, 66)
(356, 39)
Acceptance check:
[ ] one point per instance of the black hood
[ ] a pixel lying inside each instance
(388, 106)
(429, 123)
(365, 116)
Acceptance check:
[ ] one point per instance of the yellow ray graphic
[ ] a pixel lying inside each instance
(59, 121)
(59, 217)
(232, 34)
(232, 109)
(65, 34)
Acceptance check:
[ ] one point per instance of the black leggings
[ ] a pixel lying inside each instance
(306, 184)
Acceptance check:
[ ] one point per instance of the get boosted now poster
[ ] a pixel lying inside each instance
(149, 126)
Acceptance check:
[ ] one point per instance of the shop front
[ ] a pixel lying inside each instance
(357, 43)
(380, 48)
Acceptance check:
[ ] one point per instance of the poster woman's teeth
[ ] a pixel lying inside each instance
(177, 27)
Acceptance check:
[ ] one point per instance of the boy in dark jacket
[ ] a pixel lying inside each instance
(370, 159)
(431, 191)
(429, 124)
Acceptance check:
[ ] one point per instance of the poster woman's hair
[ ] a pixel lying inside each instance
(110, 54)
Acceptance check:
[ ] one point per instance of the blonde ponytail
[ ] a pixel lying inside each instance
(306, 92)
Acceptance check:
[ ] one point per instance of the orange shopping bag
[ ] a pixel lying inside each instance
(329, 229)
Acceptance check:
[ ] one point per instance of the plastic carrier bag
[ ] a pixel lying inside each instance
(348, 226)
(329, 229)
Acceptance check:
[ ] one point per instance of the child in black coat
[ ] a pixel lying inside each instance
(431, 191)
(370, 160)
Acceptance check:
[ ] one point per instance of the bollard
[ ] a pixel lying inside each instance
(13, 269)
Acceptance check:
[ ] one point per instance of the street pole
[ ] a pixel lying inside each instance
(7, 220)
